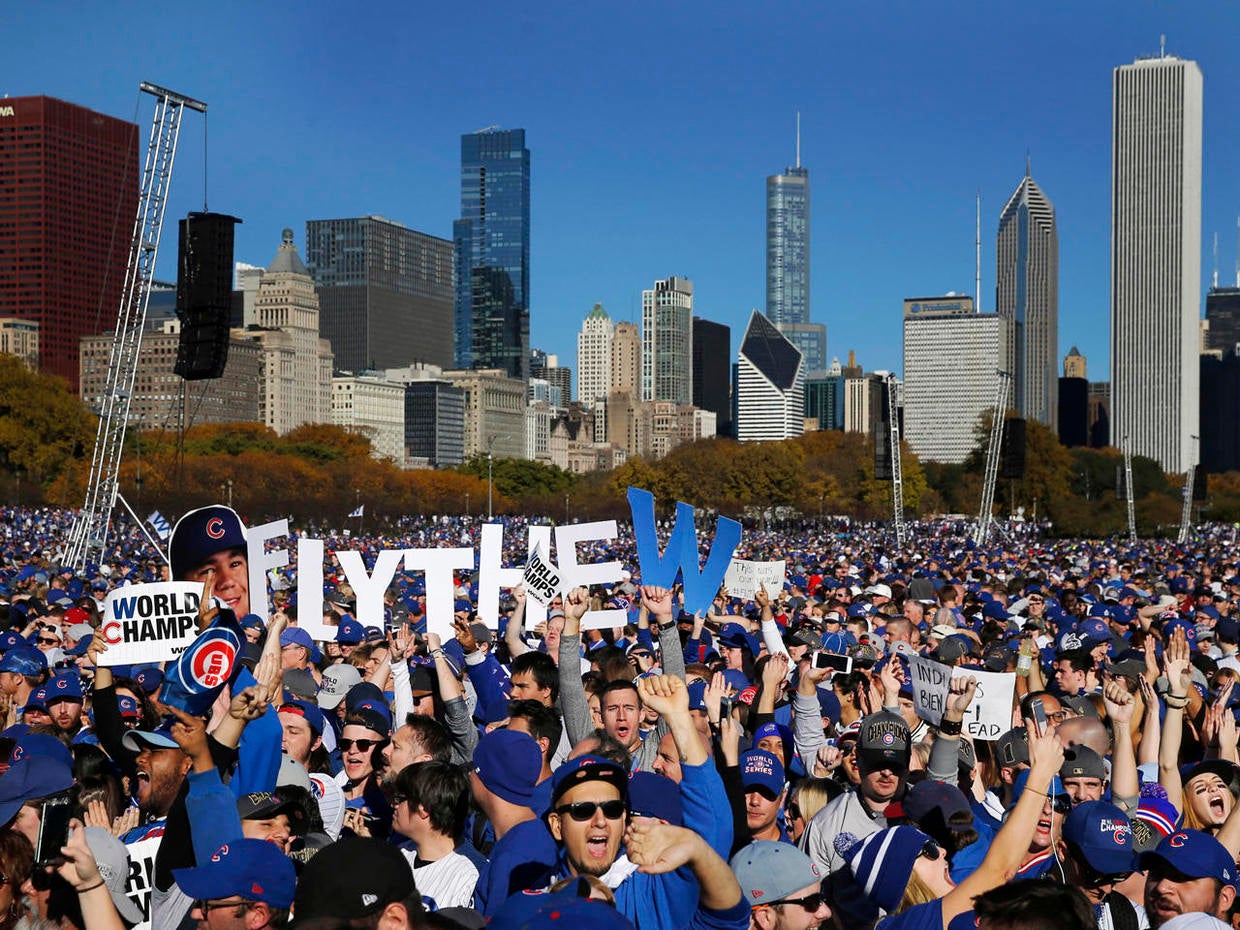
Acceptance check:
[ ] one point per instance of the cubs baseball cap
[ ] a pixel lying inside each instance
(24, 661)
(1103, 834)
(200, 534)
(768, 871)
(583, 769)
(254, 870)
(337, 680)
(1195, 854)
(760, 769)
(508, 763)
(883, 743)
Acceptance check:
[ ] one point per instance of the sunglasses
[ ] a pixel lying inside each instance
(583, 811)
(363, 745)
(811, 902)
(931, 850)
(794, 812)
(49, 640)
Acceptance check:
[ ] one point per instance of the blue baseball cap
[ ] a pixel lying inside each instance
(697, 696)
(150, 678)
(41, 744)
(761, 769)
(24, 661)
(1018, 787)
(654, 795)
(36, 701)
(296, 636)
(777, 730)
(737, 637)
(1195, 854)
(10, 639)
(66, 686)
(200, 534)
(254, 870)
(508, 763)
(350, 632)
(545, 910)
(29, 778)
(1103, 834)
(252, 622)
(307, 711)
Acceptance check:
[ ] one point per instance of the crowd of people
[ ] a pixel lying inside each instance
(766, 762)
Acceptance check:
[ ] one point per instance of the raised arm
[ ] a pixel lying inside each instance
(513, 632)
(1120, 705)
(578, 723)
(1179, 682)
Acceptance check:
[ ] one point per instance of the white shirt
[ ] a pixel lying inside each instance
(449, 881)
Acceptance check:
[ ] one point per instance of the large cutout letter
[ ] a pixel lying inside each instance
(369, 589)
(608, 573)
(439, 565)
(310, 590)
(701, 583)
(260, 560)
(492, 576)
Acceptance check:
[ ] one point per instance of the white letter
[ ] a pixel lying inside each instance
(492, 576)
(439, 565)
(310, 590)
(369, 589)
(566, 540)
(260, 560)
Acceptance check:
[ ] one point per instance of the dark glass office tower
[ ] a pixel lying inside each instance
(492, 249)
(712, 371)
(787, 244)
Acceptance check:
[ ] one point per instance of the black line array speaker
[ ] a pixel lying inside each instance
(1013, 462)
(204, 294)
(883, 470)
(1200, 476)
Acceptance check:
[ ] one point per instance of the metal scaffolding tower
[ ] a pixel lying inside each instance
(897, 474)
(1186, 515)
(1130, 494)
(992, 460)
(94, 521)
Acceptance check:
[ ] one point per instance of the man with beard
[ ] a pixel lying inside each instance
(1189, 872)
(160, 768)
(64, 702)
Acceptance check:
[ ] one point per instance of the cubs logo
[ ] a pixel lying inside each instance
(1177, 840)
(61, 684)
(19, 753)
(888, 739)
(210, 659)
(215, 528)
(220, 853)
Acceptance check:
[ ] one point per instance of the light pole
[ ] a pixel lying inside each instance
(489, 484)
(565, 508)
(230, 484)
(466, 503)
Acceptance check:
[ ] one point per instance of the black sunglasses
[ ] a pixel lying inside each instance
(363, 745)
(811, 902)
(931, 850)
(583, 811)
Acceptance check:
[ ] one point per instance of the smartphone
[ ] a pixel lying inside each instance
(1039, 715)
(54, 816)
(834, 661)
(725, 708)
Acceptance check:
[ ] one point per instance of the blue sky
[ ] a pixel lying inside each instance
(652, 128)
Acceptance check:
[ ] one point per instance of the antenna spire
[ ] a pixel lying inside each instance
(1162, 46)
(1028, 164)
(977, 242)
(1214, 279)
(798, 138)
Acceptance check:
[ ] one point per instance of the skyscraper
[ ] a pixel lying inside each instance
(1156, 258)
(1223, 318)
(667, 341)
(594, 366)
(712, 371)
(787, 243)
(492, 249)
(770, 384)
(68, 197)
(1027, 296)
(385, 292)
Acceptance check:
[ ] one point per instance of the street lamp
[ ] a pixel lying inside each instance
(565, 508)
(489, 484)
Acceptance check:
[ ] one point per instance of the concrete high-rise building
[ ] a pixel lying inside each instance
(1223, 319)
(770, 384)
(374, 408)
(712, 372)
(865, 404)
(162, 399)
(68, 197)
(491, 242)
(1074, 364)
(626, 358)
(594, 366)
(1099, 414)
(1156, 258)
(810, 340)
(667, 341)
(787, 243)
(824, 397)
(952, 359)
(434, 424)
(494, 411)
(20, 338)
(385, 292)
(297, 362)
(1027, 296)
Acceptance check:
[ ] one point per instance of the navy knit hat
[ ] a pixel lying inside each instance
(882, 863)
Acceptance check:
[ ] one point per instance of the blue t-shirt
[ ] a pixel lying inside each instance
(927, 916)
(523, 858)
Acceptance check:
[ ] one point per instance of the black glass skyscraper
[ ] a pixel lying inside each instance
(492, 249)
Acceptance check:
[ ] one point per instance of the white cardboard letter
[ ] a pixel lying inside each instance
(573, 574)
(260, 560)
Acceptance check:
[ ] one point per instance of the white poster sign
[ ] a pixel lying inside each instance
(744, 578)
(990, 714)
(150, 622)
(541, 579)
(142, 877)
(930, 681)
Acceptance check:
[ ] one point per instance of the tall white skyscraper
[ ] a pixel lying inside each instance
(667, 341)
(770, 384)
(1156, 258)
(594, 366)
(952, 357)
(1027, 296)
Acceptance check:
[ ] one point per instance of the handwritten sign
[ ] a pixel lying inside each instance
(930, 682)
(150, 622)
(990, 713)
(541, 578)
(744, 578)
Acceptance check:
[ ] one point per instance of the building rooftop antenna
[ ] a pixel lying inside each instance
(1162, 46)
(798, 138)
(1214, 278)
(977, 243)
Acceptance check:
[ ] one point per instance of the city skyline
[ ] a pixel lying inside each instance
(898, 141)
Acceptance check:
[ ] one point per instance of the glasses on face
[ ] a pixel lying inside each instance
(48, 640)
(931, 850)
(363, 745)
(794, 812)
(398, 800)
(208, 906)
(583, 811)
(811, 902)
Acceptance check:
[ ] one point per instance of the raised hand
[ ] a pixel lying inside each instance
(659, 847)
(775, 673)
(125, 822)
(80, 868)
(1118, 701)
(890, 680)
(659, 602)
(399, 643)
(207, 611)
(190, 733)
(1046, 753)
(960, 692)
(249, 704)
(1176, 656)
(716, 689)
(464, 635)
(664, 694)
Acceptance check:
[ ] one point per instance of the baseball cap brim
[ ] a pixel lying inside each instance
(134, 740)
(875, 760)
